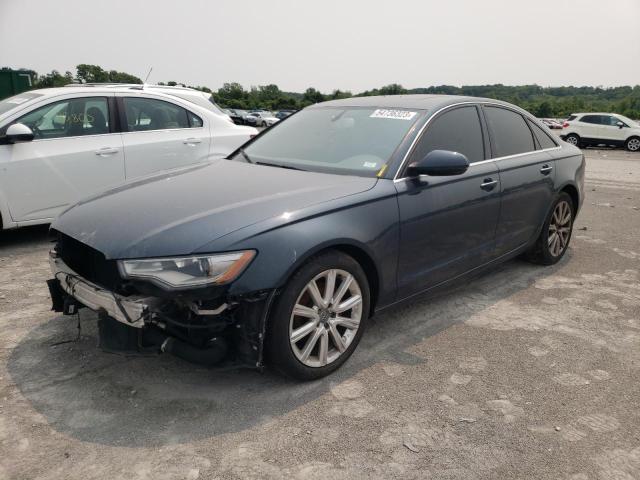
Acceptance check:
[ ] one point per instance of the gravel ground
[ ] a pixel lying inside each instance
(526, 372)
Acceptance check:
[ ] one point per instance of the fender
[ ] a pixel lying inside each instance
(6, 222)
(370, 229)
(338, 243)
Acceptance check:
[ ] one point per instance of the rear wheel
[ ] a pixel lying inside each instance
(573, 139)
(554, 238)
(319, 317)
(632, 144)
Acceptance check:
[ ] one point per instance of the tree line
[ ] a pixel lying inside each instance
(541, 101)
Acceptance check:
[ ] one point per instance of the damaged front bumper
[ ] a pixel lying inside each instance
(128, 310)
(230, 328)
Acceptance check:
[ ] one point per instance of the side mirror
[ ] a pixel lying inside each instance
(19, 132)
(620, 124)
(438, 163)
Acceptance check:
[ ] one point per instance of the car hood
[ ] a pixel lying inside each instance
(176, 212)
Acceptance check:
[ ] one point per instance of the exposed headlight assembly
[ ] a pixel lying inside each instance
(185, 272)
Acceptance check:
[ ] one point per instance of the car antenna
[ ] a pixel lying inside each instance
(147, 77)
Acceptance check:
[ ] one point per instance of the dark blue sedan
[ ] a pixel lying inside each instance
(281, 253)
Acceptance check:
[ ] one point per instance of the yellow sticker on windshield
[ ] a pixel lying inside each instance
(382, 170)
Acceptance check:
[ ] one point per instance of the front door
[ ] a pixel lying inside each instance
(448, 224)
(610, 130)
(75, 153)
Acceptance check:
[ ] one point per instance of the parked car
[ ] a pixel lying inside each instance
(282, 252)
(237, 116)
(552, 124)
(284, 114)
(60, 144)
(261, 119)
(611, 129)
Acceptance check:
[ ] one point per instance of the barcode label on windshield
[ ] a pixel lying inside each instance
(394, 114)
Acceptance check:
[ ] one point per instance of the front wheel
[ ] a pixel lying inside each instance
(633, 144)
(319, 317)
(554, 238)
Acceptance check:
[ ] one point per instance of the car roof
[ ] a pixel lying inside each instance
(595, 113)
(119, 88)
(417, 101)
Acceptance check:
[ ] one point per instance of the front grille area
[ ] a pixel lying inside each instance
(88, 262)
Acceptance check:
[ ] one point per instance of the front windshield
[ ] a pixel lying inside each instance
(628, 121)
(12, 102)
(350, 140)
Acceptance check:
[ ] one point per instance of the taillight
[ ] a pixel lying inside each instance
(565, 124)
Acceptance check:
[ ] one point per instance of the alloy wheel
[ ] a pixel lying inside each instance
(559, 228)
(572, 139)
(634, 144)
(325, 318)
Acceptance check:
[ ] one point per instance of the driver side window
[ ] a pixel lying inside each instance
(68, 118)
(457, 130)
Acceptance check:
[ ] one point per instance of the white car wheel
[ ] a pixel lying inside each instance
(633, 144)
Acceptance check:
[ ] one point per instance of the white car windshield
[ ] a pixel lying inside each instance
(12, 102)
(351, 140)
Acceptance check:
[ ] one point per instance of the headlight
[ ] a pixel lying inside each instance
(182, 272)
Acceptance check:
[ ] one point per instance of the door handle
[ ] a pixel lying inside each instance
(488, 184)
(192, 141)
(106, 151)
(546, 169)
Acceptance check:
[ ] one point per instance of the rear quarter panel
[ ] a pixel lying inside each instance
(570, 167)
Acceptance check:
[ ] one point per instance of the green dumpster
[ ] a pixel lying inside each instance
(13, 82)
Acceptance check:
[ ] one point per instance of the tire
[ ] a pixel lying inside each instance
(573, 139)
(339, 333)
(546, 250)
(632, 144)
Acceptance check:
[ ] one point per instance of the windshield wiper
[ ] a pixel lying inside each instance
(267, 164)
(246, 156)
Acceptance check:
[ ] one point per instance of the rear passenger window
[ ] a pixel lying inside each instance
(457, 130)
(510, 133)
(595, 119)
(544, 140)
(148, 114)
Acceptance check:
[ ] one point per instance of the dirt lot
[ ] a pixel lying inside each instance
(527, 372)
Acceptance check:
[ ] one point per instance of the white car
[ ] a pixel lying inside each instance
(58, 145)
(261, 119)
(584, 129)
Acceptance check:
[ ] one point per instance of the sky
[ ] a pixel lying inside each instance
(331, 44)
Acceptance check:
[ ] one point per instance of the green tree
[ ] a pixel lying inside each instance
(311, 96)
(53, 79)
(393, 89)
(95, 74)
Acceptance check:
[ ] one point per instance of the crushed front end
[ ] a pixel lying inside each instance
(204, 325)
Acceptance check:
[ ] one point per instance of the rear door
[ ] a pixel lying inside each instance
(76, 152)
(590, 127)
(448, 224)
(159, 134)
(526, 174)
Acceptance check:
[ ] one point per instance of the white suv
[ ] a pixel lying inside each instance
(58, 145)
(584, 129)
